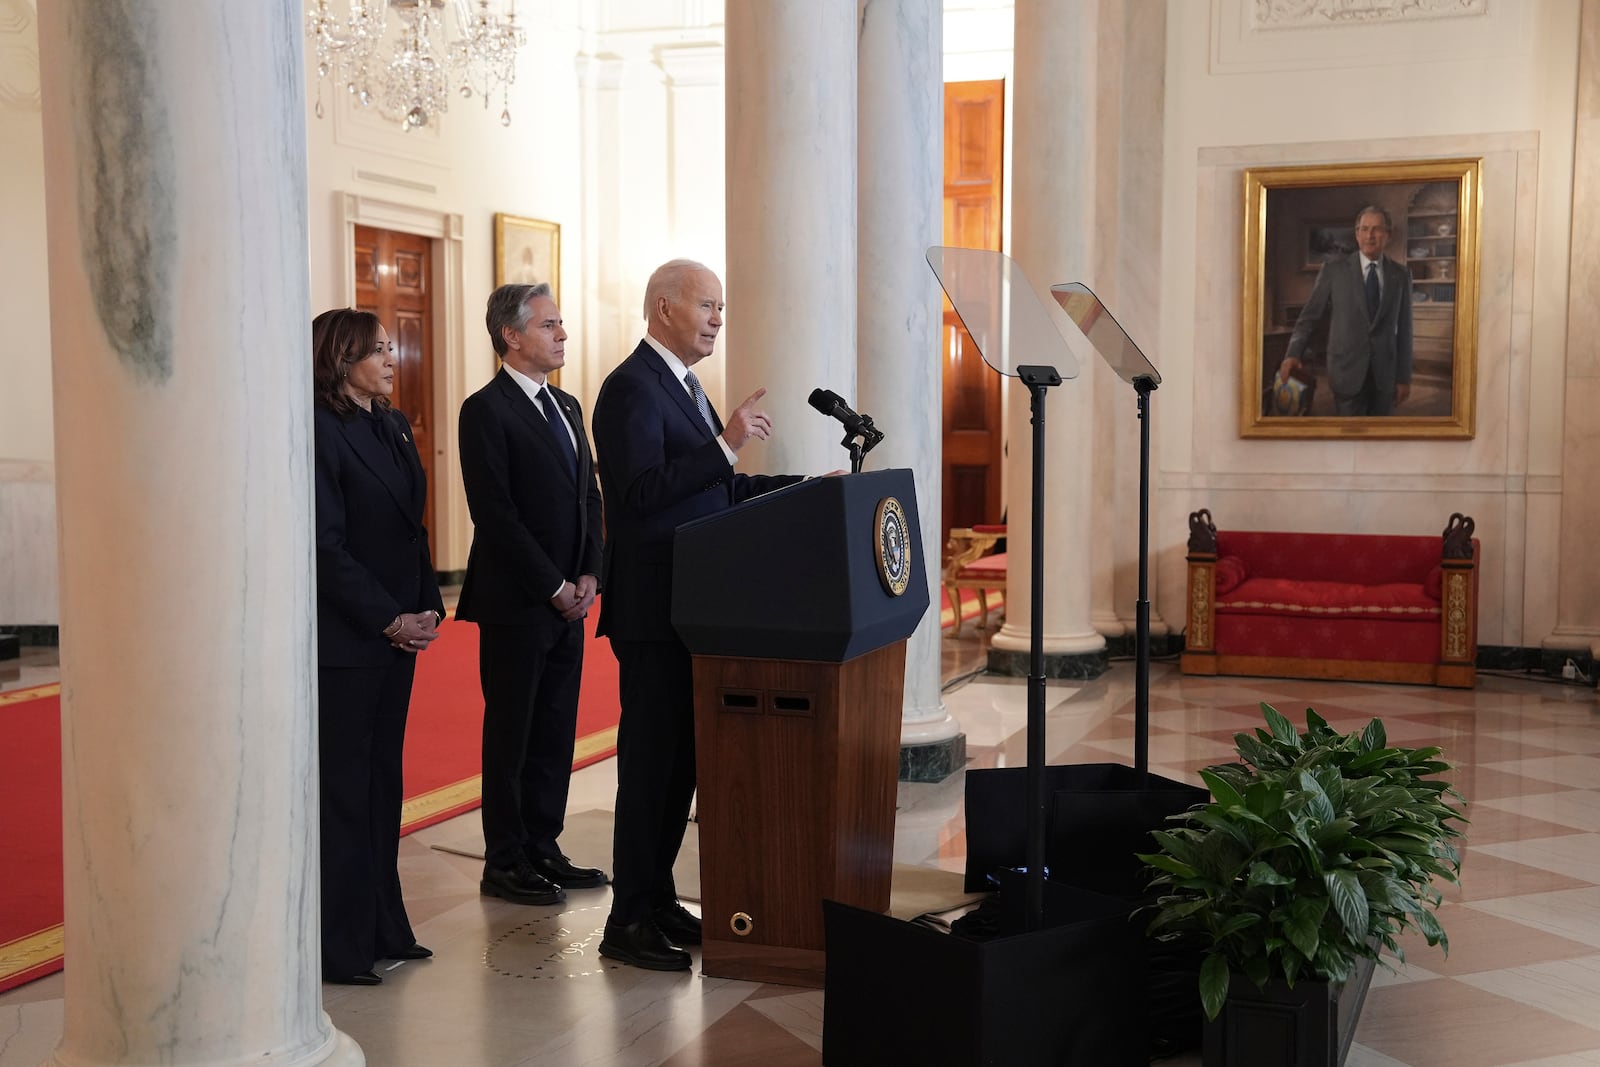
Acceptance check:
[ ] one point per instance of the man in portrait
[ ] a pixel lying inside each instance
(1365, 297)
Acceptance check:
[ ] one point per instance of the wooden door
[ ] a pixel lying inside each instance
(974, 134)
(394, 280)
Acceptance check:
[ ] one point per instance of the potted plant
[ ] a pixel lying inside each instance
(1317, 851)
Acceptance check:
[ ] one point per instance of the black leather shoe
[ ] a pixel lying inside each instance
(520, 885)
(678, 924)
(364, 978)
(413, 952)
(568, 875)
(642, 945)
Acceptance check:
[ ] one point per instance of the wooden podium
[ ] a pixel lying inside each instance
(788, 603)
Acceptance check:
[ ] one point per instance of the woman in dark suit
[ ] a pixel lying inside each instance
(378, 605)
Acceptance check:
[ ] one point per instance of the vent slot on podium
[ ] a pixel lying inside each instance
(741, 700)
(791, 703)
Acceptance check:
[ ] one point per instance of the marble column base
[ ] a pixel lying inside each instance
(933, 762)
(1078, 666)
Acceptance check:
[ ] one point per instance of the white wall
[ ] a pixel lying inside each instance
(1499, 85)
(27, 448)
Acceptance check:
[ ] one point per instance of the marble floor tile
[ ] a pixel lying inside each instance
(1578, 772)
(1486, 875)
(1574, 855)
(1572, 914)
(1578, 808)
(1492, 821)
(1466, 1027)
(1482, 940)
(1568, 988)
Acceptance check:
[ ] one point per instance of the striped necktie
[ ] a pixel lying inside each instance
(700, 401)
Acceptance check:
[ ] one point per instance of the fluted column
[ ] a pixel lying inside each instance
(1578, 602)
(791, 186)
(897, 317)
(696, 172)
(176, 204)
(1053, 225)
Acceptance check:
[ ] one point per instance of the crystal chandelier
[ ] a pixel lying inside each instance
(409, 74)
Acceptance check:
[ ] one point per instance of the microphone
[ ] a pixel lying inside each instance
(832, 405)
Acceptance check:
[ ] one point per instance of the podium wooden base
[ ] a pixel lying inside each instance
(797, 764)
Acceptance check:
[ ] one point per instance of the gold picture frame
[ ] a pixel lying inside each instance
(527, 251)
(1294, 219)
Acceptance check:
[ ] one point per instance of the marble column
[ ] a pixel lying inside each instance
(900, 118)
(791, 187)
(176, 211)
(610, 312)
(1053, 230)
(696, 171)
(1578, 604)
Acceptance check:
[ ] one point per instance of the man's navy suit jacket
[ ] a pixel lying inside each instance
(660, 467)
(534, 525)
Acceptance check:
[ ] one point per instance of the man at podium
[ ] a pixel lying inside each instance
(665, 457)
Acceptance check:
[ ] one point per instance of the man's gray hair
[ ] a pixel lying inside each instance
(508, 306)
(667, 281)
(1374, 209)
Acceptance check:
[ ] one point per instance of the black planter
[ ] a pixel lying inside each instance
(1310, 1025)
(1069, 993)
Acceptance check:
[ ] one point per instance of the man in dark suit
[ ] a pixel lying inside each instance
(665, 458)
(531, 578)
(1366, 298)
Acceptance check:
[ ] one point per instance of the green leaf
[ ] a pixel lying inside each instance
(1213, 984)
(1374, 736)
(1315, 722)
(1302, 931)
(1318, 804)
(1349, 901)
(1264, 874)
(1225, 794)
(1282, 729)
(1428, 923)
(1167, 863)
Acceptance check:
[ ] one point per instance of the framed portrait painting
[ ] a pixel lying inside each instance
(527, 251)
(1360, 304)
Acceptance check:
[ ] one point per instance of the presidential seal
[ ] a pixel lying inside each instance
(893, 546)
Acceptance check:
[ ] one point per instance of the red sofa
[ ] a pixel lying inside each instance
(1358, 607)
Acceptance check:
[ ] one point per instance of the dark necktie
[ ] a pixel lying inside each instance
(700, 401)
(552, 415)
(1372, 290)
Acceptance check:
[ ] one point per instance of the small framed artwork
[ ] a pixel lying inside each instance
(1360, 306)
(1327, 240)
(527, 251)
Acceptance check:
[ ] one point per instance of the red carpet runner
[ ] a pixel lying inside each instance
(442, 757)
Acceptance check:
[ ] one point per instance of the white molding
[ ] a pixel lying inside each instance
(1310, 35)
(19, 56)
(27, 470)
(452, 536)
(1295, 14)
(691, 65)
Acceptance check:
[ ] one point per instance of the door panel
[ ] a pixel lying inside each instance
(974, 134)
(394, 281)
